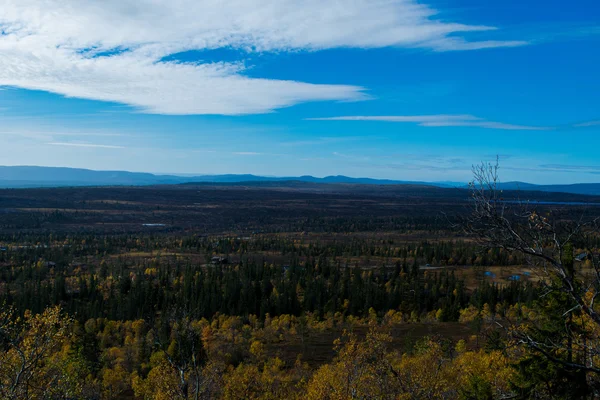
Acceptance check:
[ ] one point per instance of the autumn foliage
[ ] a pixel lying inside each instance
(49, 355)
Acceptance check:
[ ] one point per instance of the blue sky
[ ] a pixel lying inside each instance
(393, 89)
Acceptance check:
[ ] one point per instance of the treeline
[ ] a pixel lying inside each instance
(120, 291)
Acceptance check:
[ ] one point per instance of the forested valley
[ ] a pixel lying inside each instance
(356, 305)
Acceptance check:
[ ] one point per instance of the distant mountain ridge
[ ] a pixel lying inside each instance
(576, 188)
(33, 176)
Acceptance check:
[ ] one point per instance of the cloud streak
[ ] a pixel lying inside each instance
(326, 140)
(115, 50)
(557, 168)
(571, 168)
(587, 124)
(247, 153)
(90, 145)
(442, 120)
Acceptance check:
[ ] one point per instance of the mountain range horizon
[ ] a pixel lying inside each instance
(40, 176)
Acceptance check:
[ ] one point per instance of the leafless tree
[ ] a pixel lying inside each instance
(186, 356)
(546, 239)
(24, 345)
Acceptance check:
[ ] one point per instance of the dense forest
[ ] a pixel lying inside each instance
(318, 278)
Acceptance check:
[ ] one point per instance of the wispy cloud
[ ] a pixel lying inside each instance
(557, 168)
(569, 167)
(587, 124)
(250, 153)
(460, 166)
(351, 156)
(326, 140)
(441, 120)
(425, 165)
(398, 118)
(247, 153)
(201, 151)
(102, 146)
(116, 50)
(459, 44)
(183, 152)
(50, 133)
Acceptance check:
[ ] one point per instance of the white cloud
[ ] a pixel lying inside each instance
(112, 50)
(92, 145)
(459, 44)
(437, 121)
(587, 124)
